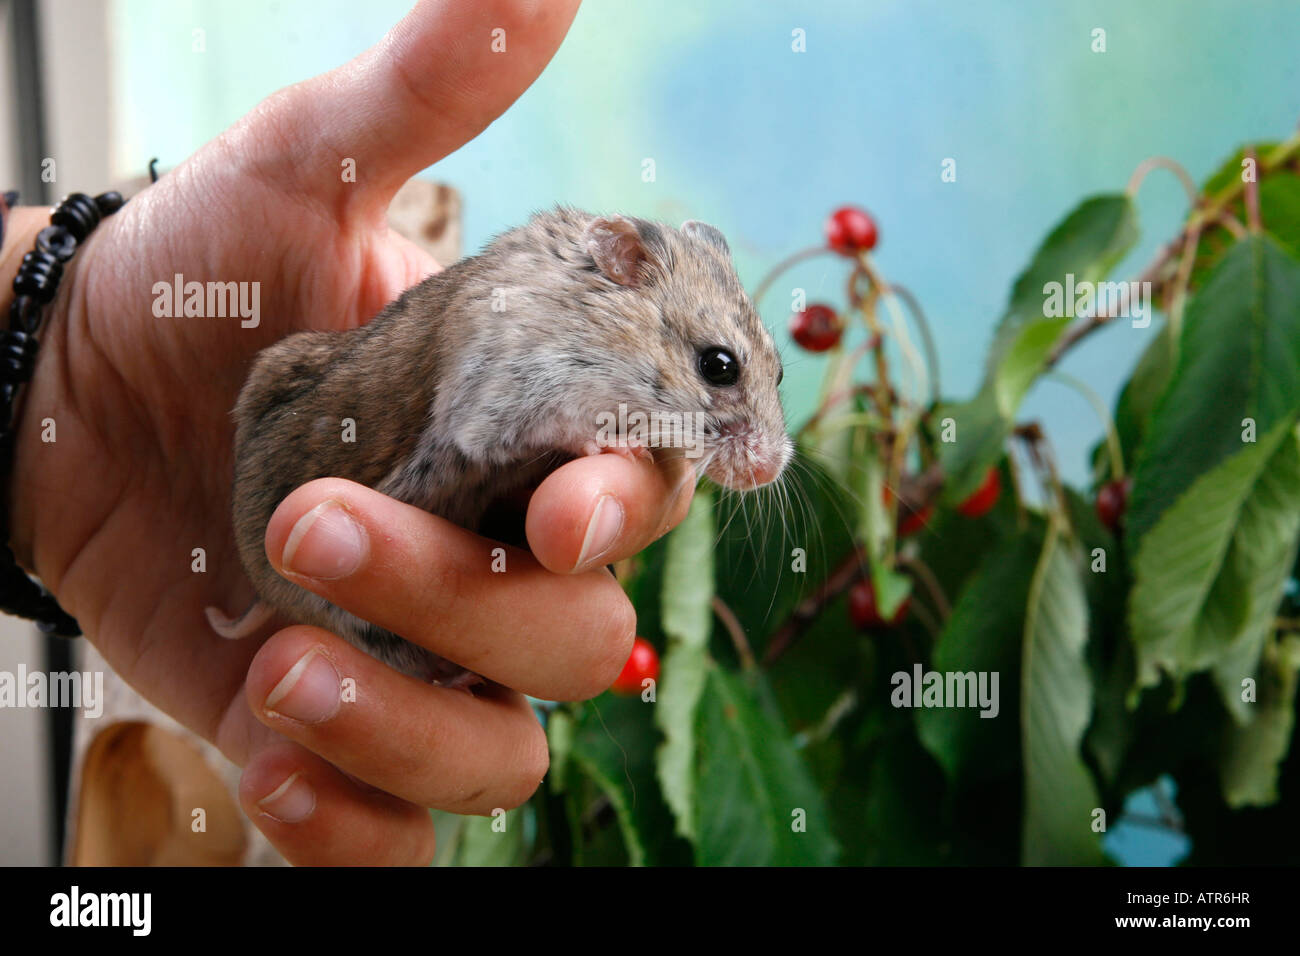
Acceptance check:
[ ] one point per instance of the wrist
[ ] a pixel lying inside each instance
(30, 484)
(21, 226)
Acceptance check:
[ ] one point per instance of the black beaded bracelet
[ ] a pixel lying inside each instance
(73, 219)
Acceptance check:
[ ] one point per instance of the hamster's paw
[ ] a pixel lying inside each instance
(632, 451)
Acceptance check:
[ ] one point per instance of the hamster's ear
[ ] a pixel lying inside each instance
(618, 249)
(706, 233)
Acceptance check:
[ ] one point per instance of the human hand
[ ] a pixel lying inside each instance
(140, 473)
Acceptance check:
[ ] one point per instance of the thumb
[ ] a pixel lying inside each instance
(439, 77)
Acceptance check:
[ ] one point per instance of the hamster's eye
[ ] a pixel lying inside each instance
(780, 373)
(719, 367)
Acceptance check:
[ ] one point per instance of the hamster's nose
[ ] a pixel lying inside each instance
(751, 461)
(765, 470)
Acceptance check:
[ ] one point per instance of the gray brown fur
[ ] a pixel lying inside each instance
(456, 403)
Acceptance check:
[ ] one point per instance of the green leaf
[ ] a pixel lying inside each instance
(560, 728)
(983, 635)
(1239, 359)
(875, 530)
(1229, 173)
(757, 804)
(494, 841)
(1252, 755)
(449, 829)
(1055, 709)
(687, 622)
(614, 747)
(891, 803)
(757, 574)
(1140, 396)
(979, 431)
(1024, 361)
(1262, 553)
(1087, 244)
(1279, 202)
(1209, 575)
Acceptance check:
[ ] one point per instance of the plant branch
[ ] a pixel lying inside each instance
(807, 610)
(789, 262)
(1252, 197)
(1207, 212)
(1163, 162)
(921, 571)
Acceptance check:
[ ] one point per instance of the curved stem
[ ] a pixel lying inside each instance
(873, 422)
(927, 338)
(1231, 223)
(1040, 453)
(788, 262)
(1103, 413)
(1252, 197)
(1163, 162)
(921, 571)
(732, 624)
(1178, 296)
(1156, 273)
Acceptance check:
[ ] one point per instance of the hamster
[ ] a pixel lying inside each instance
(481, 379)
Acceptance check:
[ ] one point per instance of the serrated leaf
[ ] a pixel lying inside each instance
(1055, 708)
(1239, 359)
(1198, 593)
(1261, 555)
(1251, 756)
(687, 623)
(757, 804)
(983, 634)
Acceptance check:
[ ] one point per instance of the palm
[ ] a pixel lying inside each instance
(163, 413)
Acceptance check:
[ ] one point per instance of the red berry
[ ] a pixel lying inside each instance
(914, 521)
(817, 328)
(1112, 500)
(641, 664)
(850, 230)
(910, 522)
(983, 500)
(863, 611)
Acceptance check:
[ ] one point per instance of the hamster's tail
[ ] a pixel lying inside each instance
(254, 618)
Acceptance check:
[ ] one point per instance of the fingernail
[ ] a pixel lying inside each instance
(325, 544)
(602, 531)
(309, 692)
(291, 802)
